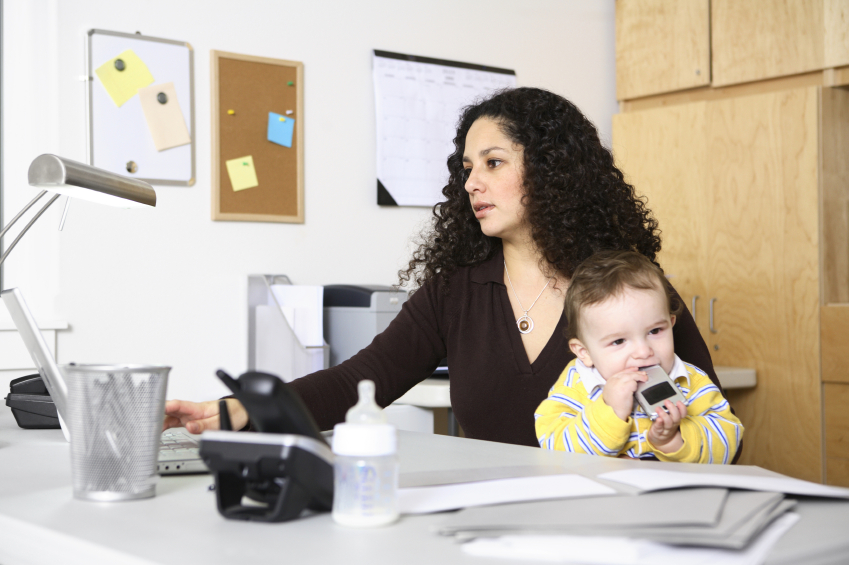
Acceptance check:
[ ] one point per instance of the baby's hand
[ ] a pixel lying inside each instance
(665, 433)
(619, 391)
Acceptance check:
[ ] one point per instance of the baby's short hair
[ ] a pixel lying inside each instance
(606, 274)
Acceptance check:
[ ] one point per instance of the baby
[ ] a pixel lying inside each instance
(621, 310)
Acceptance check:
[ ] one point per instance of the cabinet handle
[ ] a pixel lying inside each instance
(712, 327)
(693, 307)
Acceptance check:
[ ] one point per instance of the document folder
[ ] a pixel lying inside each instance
(273, 346)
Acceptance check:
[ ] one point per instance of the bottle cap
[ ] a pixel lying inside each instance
(364, 440)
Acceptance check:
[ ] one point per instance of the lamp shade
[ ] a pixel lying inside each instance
(57, 174)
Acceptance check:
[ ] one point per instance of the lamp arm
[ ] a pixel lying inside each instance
(29, 225)
(22, 212)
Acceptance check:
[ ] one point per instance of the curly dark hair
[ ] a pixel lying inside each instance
(576, 201)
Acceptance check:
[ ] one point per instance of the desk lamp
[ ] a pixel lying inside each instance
(63, 176)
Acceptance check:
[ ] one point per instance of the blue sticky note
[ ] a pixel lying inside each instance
(280, 129)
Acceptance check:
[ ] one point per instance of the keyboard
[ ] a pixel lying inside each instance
(179, 453)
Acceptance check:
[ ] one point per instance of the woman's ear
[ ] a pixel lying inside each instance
(580, 351)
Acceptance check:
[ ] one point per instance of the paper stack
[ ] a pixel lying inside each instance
(693, 517)
(711, 517)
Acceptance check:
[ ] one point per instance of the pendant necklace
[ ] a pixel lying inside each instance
(525, 323)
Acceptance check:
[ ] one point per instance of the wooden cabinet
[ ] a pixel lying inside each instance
(835, 376)
(661, 46)
(666, 46)
(770, 38)
(737, 185)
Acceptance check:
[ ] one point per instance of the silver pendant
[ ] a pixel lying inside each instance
(525, 324)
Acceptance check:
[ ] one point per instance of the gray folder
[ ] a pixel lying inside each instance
(701, 517)
(691, 507)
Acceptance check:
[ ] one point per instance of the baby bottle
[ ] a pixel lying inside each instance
(365, 467)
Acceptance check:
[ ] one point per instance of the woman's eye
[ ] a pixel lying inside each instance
(494, 163)
(466, 173)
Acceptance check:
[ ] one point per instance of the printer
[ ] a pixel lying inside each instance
(353, 315)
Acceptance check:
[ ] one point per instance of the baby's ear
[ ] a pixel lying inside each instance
(673, 318)
(580, 351)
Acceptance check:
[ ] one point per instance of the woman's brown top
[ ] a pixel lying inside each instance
(494, 389)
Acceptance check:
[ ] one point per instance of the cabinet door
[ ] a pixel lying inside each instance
(770, 38)
(836, 433)
(661, 46)
(662, 153)
(764, 271)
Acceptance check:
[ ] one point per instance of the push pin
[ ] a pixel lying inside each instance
(231, 112)
(290, 83)
(282, 119)
(119, 64)
(288, 112)
(162, 98)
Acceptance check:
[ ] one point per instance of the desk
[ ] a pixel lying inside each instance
(40, 522)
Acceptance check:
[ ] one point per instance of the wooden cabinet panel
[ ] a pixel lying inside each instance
(834, 321)
(836, 41)
(834, 109)
(734, 184)
(837, 472)
(769, 38)
(765, 269)
(836, 433)
(661, 46)
(663, 155)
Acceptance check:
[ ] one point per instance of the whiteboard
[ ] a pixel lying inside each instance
(418, 102)
(118, 136)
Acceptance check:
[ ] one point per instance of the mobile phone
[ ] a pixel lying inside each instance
(656, 390)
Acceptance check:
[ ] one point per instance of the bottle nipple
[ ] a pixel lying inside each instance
(366, 410)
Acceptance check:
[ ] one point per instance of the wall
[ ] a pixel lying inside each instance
(168, 285)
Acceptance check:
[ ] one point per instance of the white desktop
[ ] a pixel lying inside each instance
(40, 522)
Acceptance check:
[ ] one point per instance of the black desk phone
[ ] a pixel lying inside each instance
(284, 469)
(31, 404)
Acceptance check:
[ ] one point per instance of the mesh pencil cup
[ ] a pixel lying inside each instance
(115, 417)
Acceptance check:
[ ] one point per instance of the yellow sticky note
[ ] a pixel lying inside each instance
(242, 173)
(121, 85)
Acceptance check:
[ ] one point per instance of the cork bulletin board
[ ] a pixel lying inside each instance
(256, 177)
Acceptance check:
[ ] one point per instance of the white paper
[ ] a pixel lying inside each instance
(651, 479)
(303, 307)
(417, 106)
(422, 500)
(624, 551)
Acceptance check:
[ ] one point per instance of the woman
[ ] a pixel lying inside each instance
(531, 194)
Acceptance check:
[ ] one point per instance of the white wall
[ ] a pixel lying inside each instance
(168, 285)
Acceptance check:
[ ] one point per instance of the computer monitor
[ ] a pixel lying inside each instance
(38, 350)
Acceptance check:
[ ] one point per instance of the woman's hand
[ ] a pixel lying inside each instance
(665, 433)
(200, 416)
